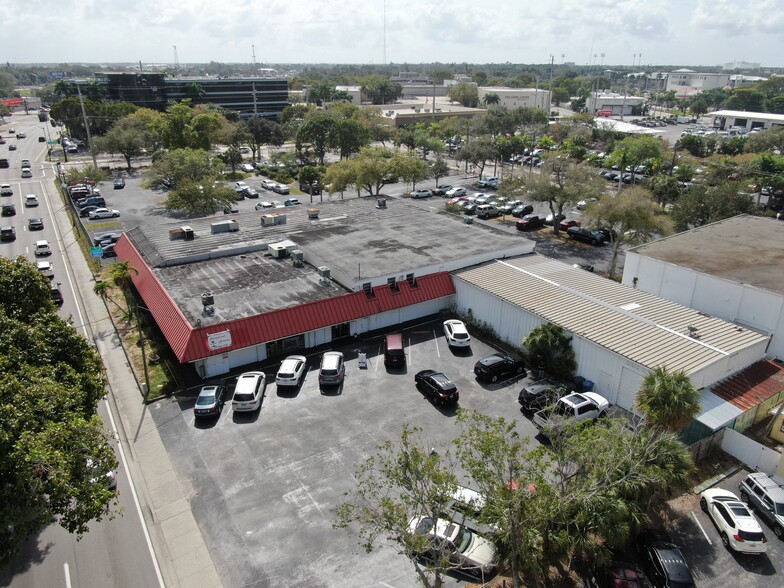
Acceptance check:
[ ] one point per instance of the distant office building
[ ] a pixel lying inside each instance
(265, 97)
(611, 104)
(513, 98)
(685, 82)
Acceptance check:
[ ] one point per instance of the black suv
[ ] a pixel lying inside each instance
(540, 394)
(498, 366)
(765, 495)
(663, 561)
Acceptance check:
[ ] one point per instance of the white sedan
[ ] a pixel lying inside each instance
(104, 213)
(456, 333)
(456, 191)
(31, 200)
(737, 527)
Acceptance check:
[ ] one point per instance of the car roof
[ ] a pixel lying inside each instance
(292, 359)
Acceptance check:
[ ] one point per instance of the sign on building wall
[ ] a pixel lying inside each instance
(219, 340)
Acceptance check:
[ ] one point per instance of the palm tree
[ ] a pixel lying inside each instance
(491, 99)
(549, 349)
(668, 400)
(101, 288)
(121, 273)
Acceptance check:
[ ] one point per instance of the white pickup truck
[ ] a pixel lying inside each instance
(573, 408)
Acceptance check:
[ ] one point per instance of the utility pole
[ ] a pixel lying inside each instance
(87, 125)
(176, 62)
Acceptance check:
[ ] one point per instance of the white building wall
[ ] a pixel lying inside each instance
(512, 323)
(746, 305)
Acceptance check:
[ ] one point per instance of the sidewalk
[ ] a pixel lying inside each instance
(177, 541)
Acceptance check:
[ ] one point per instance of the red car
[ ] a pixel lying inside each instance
(529, 222)
(565, 224)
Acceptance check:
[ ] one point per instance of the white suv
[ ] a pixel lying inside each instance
(42, 248)
(291, 371)
(6, 190)
(737, 527)
(249, 391)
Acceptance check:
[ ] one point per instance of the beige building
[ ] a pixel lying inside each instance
(686, 82)
(513, 98)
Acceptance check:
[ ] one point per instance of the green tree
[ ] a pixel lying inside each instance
(634, 151)
(464, 93)
(695, 145)
(478, 152)
(128, 137)
(153, 123)
(633, 217)
(491, 99)
(549, 348)
(53, 444)
(669, 400)
(439, 168)
(8, 84)
(311, 176)
(380, 90)
(698, 107)
(770, 140)
(665, 188)
(348, 136)
(87, 173)
(182, 165)
(232, 157)
(317, 131)
(199, 199)
(403, 480)
(177, 121)
(261, 131)
(746, 99)
(702, 205)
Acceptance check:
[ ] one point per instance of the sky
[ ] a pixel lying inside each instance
(640, 33)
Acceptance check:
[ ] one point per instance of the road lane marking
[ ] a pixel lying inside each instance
(67, 575)
(435, 339)
(135, 496)
(696, 520)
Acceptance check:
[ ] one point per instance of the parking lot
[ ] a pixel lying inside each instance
(263, 485)
(710, 562)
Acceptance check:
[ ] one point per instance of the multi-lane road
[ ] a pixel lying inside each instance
(115, 552)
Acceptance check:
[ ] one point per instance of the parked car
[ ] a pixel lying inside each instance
(487, 211)
(492, 182)
(737, 527)
(119, 183)
(765, 494)
(437, 387)
(456, 333)
(108, 251)
(441, 190)
(550, 219)
(281, 188)
(86, 210)
(99, 213)
(616, 574)
(470, 208)
(663, 561)
(251, 193)
(540, 394)
(332, 370)
(31, 200)
(291, 202)
(8, 233)
(240, 186)
(467, 550)
(268, 184)
(231, 209)
(209, 402)
(565, 225)
(577, 407)
(107, 238)
(42, 248)
(291, 371)
(35, 224)
(529, 222)
(421, 193)
(498, 366)
(585, 235)
(522, 210)
(582, 204)
(456, 191)
(249, 391)
(313, 188)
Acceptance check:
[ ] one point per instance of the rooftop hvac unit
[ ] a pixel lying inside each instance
(207, 299)
(323, 272)
(381, 203)
(298, 258)
(277, 250)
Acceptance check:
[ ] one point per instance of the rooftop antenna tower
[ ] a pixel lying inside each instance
(176, 61)
(253, 50)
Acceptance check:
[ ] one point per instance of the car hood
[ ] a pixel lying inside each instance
(480, 551)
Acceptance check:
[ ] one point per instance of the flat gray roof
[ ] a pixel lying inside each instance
(352, 237)
(744, 249)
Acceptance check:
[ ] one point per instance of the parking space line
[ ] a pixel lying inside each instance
(435, 338)
(696, 520)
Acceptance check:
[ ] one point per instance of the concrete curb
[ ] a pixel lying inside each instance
(177, 541)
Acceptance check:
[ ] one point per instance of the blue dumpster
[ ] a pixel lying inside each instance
(587, 386)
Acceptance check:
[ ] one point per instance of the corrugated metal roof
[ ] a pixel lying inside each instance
(753, 385)
(648, 330)
(716, 412)
(190, 344)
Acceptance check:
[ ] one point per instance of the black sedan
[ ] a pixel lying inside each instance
(85, 211)
(437, 387)
(210, 401)
(35, 224)
(119, 184)
(540, 394)
(498, 366)
(586, 235)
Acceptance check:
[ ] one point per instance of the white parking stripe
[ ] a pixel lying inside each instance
(696, 520)
(435, 337)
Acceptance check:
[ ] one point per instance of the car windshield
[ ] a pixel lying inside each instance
(463, 540)
(205, 399)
